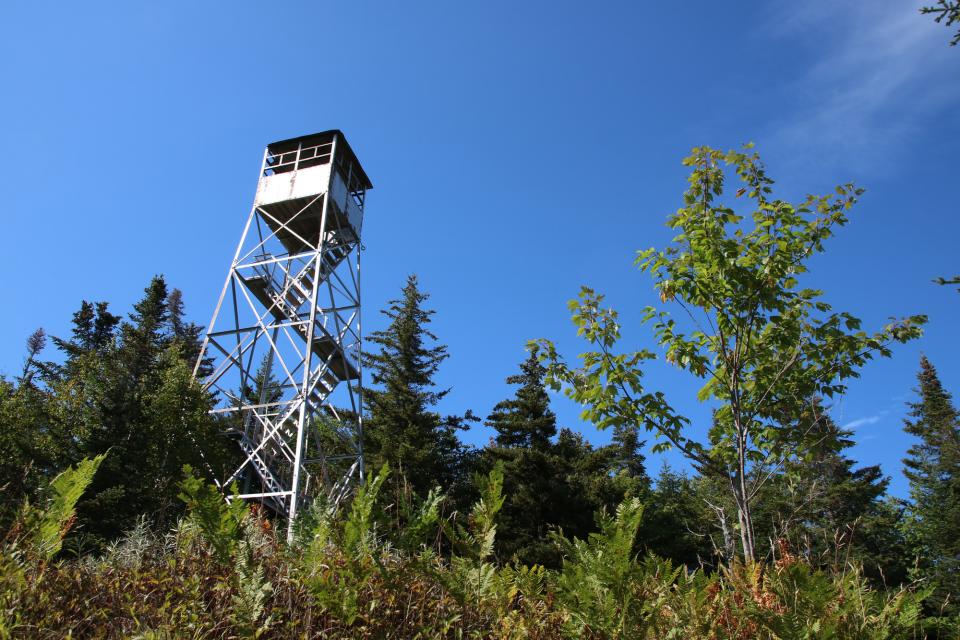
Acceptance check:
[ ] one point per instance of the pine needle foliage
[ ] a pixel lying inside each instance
(402, 428)
(526, 419)
(932, 466)
(946, 12)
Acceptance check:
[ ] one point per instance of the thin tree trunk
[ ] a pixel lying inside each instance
(744, 516)
(741, 492)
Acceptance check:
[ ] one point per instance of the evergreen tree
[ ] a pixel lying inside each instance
(188, 334)
(589, 484)
(35, 344)
(401, 428)
(834, 511)
(676, 524)
(819, 504)
(266, 388)
(147, 333)
(33, 447)
(94, 332)
(116, 386)
(629, 458)
(127, 388)
(526, 419)
(534, 484)
(933, 469)
(551, 485)
(946, 12)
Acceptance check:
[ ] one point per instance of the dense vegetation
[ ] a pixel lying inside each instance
(775, 533)
(221, 572)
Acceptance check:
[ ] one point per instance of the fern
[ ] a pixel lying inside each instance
(133, 548)
(250, 600)
(348, 582)
(359, 536)
(599, 574)
(341, 563)
(472, 577)
(49, 526)
(421, 520)
(792, 599)
(221, 521)
(475, 541)
(38, 535)
(523, 581)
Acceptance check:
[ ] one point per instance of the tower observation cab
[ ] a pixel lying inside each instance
(282, 353)
(296, 171)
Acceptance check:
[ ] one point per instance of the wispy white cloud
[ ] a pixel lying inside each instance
(880, 71)
(862, 422)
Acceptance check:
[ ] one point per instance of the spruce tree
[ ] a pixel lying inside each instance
(188, 334)
(551, 480)
(526, 419)
(147, 333)
(630, 461)
(266, 388)
(830, 508)
(402, 428)
(94, 332)
(933, 469)
(676, 523)
(821, 505)
(534, 485)
(587, 481)
(127, 388)
(34, 447)
(117, 386)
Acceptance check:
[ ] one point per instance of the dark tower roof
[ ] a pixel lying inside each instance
(323, 137)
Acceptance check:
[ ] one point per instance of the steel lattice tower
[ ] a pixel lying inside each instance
(282, 352)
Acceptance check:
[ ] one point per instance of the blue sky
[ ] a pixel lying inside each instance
(518, 150)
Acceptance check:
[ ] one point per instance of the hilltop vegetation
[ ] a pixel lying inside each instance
(113, 528)
(221, 572)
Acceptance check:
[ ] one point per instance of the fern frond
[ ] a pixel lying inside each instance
(55, 521)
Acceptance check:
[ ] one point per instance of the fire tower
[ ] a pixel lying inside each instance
(282, 352)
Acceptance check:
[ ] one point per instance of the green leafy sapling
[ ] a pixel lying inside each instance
(765, 348)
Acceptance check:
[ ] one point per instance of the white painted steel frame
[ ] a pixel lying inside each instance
(288, 325)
